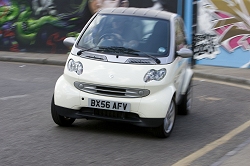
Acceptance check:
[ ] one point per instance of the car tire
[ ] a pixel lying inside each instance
(167, 126)
(58, 119)
(186, 103)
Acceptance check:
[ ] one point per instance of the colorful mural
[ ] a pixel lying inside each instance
(42, 25)
(33, 25)
(223, 37)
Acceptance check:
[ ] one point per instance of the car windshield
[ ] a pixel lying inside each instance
(143, 34)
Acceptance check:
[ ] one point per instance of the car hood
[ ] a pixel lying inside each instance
(118, 74)
(112, 74)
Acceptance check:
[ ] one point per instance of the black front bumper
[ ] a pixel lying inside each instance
(101, 114)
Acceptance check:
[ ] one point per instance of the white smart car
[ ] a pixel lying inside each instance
(127, 65)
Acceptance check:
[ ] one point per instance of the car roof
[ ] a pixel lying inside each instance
(144, 12)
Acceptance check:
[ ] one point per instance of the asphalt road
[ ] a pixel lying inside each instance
(28, 136)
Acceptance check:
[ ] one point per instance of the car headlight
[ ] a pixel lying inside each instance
(156, 75)
(75, 66)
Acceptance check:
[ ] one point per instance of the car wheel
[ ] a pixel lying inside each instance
(186, 104)
(58, 119)
(166, 128)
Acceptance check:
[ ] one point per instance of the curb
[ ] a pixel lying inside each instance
(197, 74)
(223, 78)
(33, 60)
(237, 151)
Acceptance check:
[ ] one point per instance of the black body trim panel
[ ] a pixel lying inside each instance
(101, 114)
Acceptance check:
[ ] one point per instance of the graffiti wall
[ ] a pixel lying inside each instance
(38, 25)
(223, 34)
(42, 25)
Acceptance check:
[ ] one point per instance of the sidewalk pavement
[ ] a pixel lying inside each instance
(232, 75)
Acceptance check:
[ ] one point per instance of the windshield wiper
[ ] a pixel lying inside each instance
(158, 61)
(118, 50)
(127, 51)
(83, 50)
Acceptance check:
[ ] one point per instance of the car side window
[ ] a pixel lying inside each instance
(180, 38)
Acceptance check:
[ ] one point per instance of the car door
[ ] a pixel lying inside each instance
(181, 63)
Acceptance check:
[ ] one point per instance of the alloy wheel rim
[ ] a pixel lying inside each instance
(170, 118)
(189, 98)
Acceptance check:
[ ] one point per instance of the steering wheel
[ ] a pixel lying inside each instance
(116, 38)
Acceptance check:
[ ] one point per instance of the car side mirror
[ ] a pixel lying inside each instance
(185, 53)
(69, 41)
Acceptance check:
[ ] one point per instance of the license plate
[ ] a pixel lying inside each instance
(109, 105)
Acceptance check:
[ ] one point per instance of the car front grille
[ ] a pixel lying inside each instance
(108, 114)
(111, 91)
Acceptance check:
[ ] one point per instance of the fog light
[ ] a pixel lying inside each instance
(140, 92)
(81, 86)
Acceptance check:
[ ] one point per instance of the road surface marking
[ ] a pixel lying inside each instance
(192, 157)
(211, 146)
(206, 98)
(13, 97)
